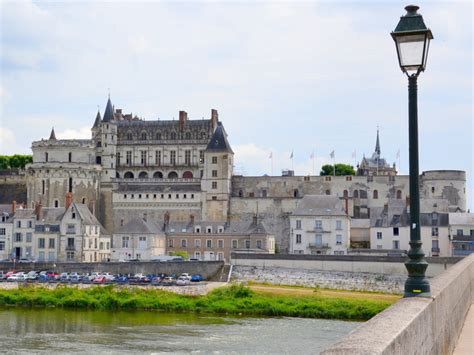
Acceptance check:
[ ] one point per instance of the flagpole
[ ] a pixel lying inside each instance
(313, 165)
(271, 161)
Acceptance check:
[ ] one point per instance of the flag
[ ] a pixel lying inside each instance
(271, 155)
(332, 155)
(291, 156)
(354, 154)
(312, 155)
(398, 154)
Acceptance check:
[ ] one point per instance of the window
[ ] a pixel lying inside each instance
(117, 159)
(214, 198)
(158, 136)
(69, 157)
(51, 243)
(46, 157)
(143, 136)
(356, 193)
(125, 241)
(435, 245)
(187, 157)
(459, 232)
(18, 237)
(235, 244)
(396, 231)
(197, 255)
(247, 244)
(173, 157)
(209, 243)
(375, 194)
(29, 236)
(328, 192)
(379, 235)
(2, 231)
(264, 193)
(209, 230)
(158, 157)
(396, 244)
(173, 135)
(214, 185)
(220, 256)
(399, 194)
(327, 178)
(434, 232)
(2, 245)
(41, 243)
(30, 224)
(184, 243)
(220, 244)
(298, 224)
(18, 224)
(129, 136)
(348, 178)
(141, 243)
(70, 184)
(214, 160)
(128, 158)
(143, 157)
(201, 156)
(71, 229)
(197, 243)
(298, 239)
(338, 239)
(259, 244)
(70, 243)
(56, 203)
(338, 225)
(170, 243)
(432, 189)
(345, 194)
(318, 224)
(379, 246)
(214, 173)
(70, 255)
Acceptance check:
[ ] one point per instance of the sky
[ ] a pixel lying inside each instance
(301, 77)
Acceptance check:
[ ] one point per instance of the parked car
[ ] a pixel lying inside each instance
(156, 281)
(31, 276)
(183, 281)
(99, 280)
(64, 277)
(197, 278)
(122, 279)
(26, 260)
(3, 276)
(168, 281)
(185, 274)
(19, 276)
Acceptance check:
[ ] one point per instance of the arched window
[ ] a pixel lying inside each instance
(158, 136)
(143, 136)
(128, 175)
(188, 135)
(295, 193)
(187, 175)
(356, 193)
(158, 175)
(375, 194)
(69, 157)
(346, 194)
(143, 175)
(117, 175)
(129, 136)
(83, 200)
(399, 194)
(173, 135)
(328, 192)
(98, 160)
(241, 193)
(203, 135)
(173, 175)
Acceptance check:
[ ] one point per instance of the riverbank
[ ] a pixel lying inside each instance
(234, 299)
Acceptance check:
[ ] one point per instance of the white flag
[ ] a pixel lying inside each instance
(398, 154)
(332, 155)
(354, 154)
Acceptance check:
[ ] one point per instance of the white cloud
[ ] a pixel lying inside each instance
(9, 144)
(81, 133)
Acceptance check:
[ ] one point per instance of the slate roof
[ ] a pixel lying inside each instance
(234, 227)
(319, 205)
(52, 136)
(140, 226)
(97, 120)
(109, 112)
(86, 215)
(219, 142)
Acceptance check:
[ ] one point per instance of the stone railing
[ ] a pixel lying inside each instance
(418, 325)
(167, 181)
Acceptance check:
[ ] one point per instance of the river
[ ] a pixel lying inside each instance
(28, 330)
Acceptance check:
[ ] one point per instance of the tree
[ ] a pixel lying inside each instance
(17, 161)
(341, 170)
(183, 254)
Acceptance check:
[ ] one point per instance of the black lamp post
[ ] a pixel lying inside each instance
(412, 39)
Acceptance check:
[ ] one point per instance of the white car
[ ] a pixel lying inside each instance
(19, 276)
(186, 275)
(183, 281)
(32, 275)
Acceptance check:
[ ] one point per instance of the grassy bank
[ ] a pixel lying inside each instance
(234, 299)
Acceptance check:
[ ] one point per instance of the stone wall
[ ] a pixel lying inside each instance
(208, 269)
(418, 325)
(323, 279)
(13, 187)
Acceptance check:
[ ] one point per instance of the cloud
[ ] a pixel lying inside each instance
(81, 133)
(9, 144)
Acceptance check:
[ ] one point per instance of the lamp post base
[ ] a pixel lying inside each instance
(417, 285)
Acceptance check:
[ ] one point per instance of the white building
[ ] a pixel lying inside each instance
(461, 232)
(319, 225)
(6, 230)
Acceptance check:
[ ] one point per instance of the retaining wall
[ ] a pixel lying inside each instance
(208, 269)
(418, 325)
(388, 265)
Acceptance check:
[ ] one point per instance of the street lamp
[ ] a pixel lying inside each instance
(412, 39)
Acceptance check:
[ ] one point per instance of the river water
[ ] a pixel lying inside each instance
(65, 331)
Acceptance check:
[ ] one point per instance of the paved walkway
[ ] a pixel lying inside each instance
(465, 345)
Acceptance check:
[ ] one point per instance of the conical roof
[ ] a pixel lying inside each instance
(97, 120)
(109, 112)
(52, 136)
(377, 144)
(219, 142)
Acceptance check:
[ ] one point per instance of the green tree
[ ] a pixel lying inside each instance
(4, 162)
(341, 170)
(183, 254)
(17, 161)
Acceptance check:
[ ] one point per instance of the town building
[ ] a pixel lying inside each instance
(320, 225)
(6, 230)
(461, 233)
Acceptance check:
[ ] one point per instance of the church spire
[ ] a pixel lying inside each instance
(52, 136)
(97, 120)
(377, 143)
(109, 112)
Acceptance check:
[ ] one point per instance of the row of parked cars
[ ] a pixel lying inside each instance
(100, 278)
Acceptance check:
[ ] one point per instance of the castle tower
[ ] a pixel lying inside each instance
(376, 165)
(216, 180)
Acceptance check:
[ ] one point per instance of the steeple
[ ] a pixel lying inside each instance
(109, 112)
(97, 120)
(52, 136)
(219, 142)
(377, 144)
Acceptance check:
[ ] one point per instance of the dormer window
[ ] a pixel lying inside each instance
(209, 230)
(197, 229)
(220, 230)
(73, 215)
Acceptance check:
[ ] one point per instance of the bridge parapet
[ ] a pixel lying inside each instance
(418, 325)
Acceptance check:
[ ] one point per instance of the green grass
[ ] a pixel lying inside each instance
(235, 299)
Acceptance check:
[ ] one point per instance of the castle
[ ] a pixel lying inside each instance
(182, 170)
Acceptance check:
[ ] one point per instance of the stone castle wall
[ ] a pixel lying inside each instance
(13, 188)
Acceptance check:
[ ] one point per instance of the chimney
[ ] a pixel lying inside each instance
(13, 207)
(93, 207)
(145, 216)
(39, 211)
(183, 117)
(68, 200)
(214, 119)
(191, 217)
(167, 219)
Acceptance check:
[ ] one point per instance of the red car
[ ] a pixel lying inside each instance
(99, 280)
